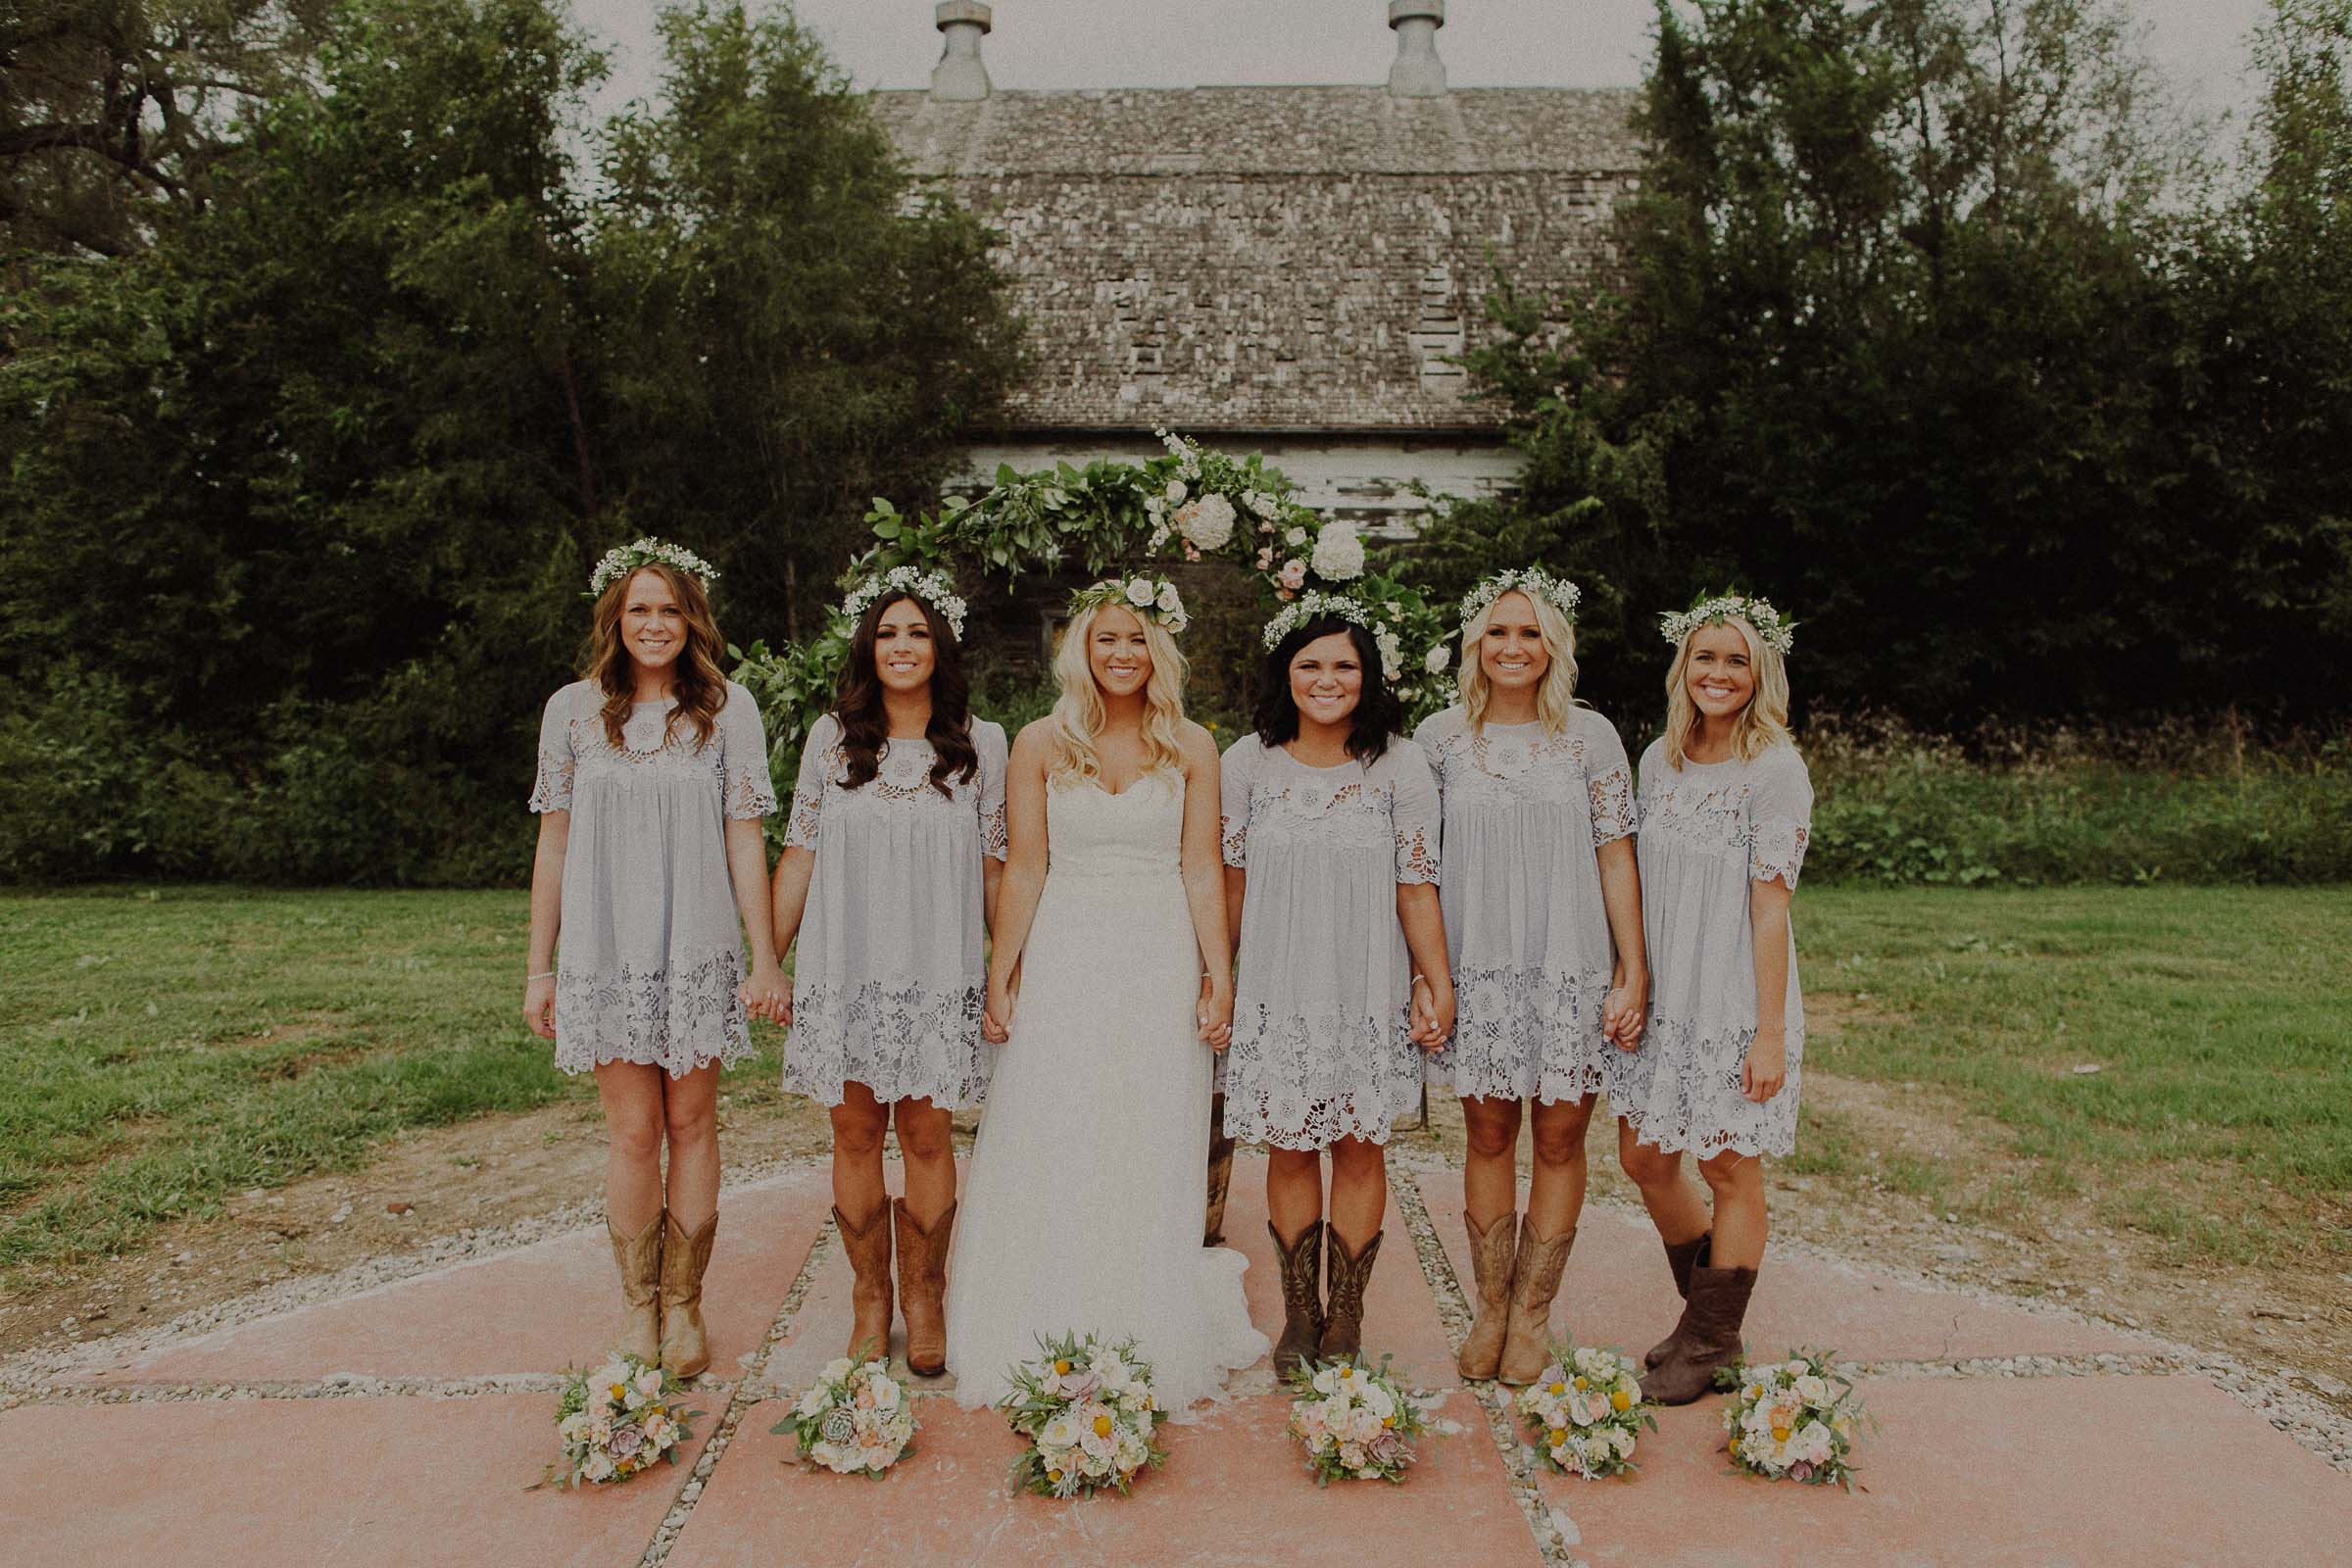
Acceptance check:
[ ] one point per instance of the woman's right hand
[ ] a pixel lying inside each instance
(996, 1017)
(539, 1005)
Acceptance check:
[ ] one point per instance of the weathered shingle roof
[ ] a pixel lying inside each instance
(1271, 259)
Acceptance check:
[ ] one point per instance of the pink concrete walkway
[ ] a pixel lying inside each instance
(386, 1428)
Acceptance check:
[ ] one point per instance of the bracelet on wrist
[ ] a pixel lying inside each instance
(544, 974)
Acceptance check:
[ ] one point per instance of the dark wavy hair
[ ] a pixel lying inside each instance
(1378, 713)
(857, 702)
(696, 679)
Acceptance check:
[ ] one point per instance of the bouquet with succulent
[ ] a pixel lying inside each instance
(1583, 1414)
(1089, 1413)
(1356, 1423)
(854, 1419)
(616, 1420)
(1794, 1418)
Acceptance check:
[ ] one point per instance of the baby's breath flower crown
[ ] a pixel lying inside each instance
(621, 560)
(931, 587)
(1562, 595)
(1381, 621)
(1155, 596)
(1773, 629)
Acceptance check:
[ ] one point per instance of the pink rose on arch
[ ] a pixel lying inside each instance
(1293, 573)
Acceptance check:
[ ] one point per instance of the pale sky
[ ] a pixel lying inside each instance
(2200, 44)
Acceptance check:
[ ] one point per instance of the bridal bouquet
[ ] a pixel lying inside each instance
(1585, 1413)
(618, 1420)
(854, 1420)
(1355, 1422)
(1089, 1414)
(1792, 1418)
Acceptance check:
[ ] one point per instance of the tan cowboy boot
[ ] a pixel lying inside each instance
(870, 1295)
(685, 1343)
(1535, 1281)
(1301, 1297)
(923, 1289)
(1220, 1174)
(1350, 1273)
(639, 1259)
(1708, 1336)
(1491, 1269)
(1681, 1258)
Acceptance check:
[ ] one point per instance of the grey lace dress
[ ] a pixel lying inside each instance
(1708, 830)
(650, 960)
(888, 976)
(1321, 1046)
(1526, 932)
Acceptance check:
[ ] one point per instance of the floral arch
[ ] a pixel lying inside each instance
(1190, 505)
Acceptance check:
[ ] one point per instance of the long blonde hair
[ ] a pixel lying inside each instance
(1555, 697)
(1078, 712)
(1761, 725)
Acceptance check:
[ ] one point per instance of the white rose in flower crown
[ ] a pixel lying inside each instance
(1339, 553)
(1208, 522)
(1167, 599)
(1139, 592)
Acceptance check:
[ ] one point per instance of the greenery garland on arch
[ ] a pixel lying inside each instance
(1190, 504)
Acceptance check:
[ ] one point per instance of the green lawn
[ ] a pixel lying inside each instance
(161, 1050)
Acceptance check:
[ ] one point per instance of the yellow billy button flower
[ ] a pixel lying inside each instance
(1558, 1388)
(1053, 1475)
(1388, 1420)
(1780, 1433)
(1621, 1400)
(1102, 1426)
(1558, 1436)
(1581, 1383)
(1061, 1368)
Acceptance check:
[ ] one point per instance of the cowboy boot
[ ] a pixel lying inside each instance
(924, 1288)
(685, 1345)
(1709, 1335)
(870, 1295)
(639, 1259)
(1343, 1328)
(1220, 1174)
(1681, 1258)
(1491, 1270)
(1535, 1281)
(1301, 1297)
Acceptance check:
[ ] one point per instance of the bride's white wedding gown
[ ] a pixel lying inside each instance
(1087, 1191)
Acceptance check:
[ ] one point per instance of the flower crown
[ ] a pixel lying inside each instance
(621, 560)
(1772, 629)
(1155, 596)
(1562, 595)
(1315, 605)
(931, 587)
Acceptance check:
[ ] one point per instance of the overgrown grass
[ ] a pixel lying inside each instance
(2178, 804)
(2215, 1018)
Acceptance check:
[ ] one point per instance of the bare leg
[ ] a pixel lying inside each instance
(1737, 1182)
(859, 1122)
(1293, 1190)
(1489, 1164)
(1555, 1197)
(690, 1114)
(1673, 1204)
(1359, 1190)
(632, 1093)
(926, 1144)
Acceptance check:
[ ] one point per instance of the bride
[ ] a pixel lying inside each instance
(1084, 1204)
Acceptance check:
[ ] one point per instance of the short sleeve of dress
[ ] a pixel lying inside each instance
(1610, 777)
(1415, 812)
(989, 740)
(750, 791)
(1430, 736)
(808, 792)
(1779, 816)
(1234, 773)
(552, 791)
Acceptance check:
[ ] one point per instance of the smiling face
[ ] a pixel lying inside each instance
(1511, 652)
(1327, 679)
(652, 624)
(1718, 672)
(904, 653)
(1117, 653)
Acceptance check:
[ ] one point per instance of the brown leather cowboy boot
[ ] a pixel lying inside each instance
(1490, 1271)
(1709, 1335)
(869, 1294)
(685, 1343)
(1301, 1297)
(1535, 1281)
(1220, 1173)
(639, 1259)
(924, 1288)
(1344, 1326)
(1681, 1258)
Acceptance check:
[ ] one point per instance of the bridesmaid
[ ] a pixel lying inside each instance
(1725, 810)
(653, 781)
(1542, 910)
(888, 875)
(1330, 829)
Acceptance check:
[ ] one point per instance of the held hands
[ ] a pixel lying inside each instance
(996, 1016)
(1625, 1012)
(539, 1005)
(767, 994)
(1214, 1013)
(1767, 1064)
(1432, 1018)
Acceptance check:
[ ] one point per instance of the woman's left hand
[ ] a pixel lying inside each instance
(767, 994)
(1767, 1065)
(1625, 1014)
(1214, 1015)
(1432, 1016)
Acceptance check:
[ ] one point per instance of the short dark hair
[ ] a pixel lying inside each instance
(1378, 713)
